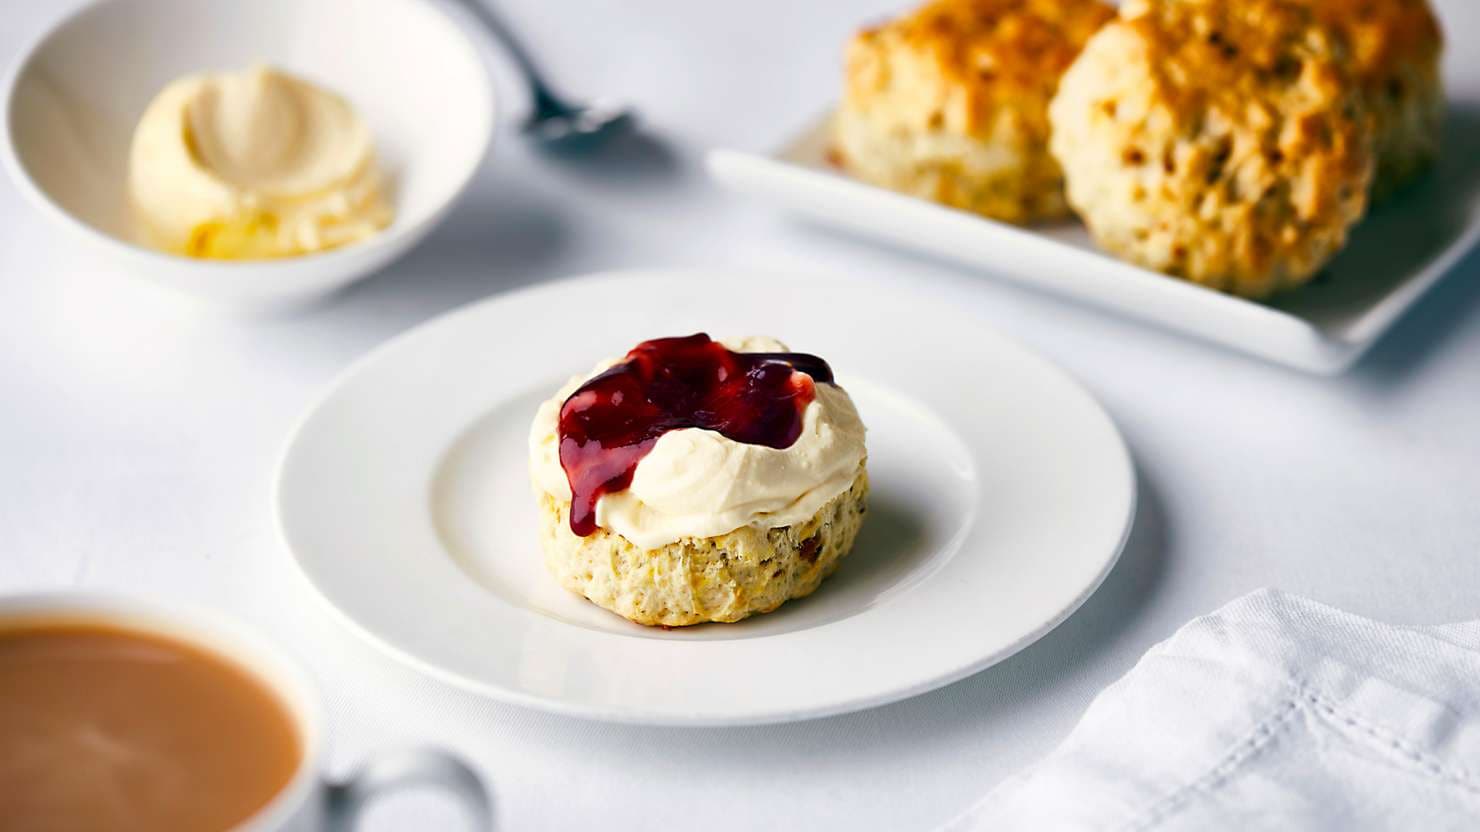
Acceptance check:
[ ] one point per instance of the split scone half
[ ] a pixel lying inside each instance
(1221, 141)
(950, 103)
(698, 481)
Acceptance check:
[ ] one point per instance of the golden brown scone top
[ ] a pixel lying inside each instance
(1395, 47)
(951, 64)
(1270, 71)
(1382, 35)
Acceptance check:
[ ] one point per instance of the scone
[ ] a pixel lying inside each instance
(950, 103)
(1395, 48)
(695, 480)
(1222, 141)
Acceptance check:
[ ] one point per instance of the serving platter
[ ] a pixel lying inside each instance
(1399, 252)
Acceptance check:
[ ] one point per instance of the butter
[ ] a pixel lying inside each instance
(254, 165)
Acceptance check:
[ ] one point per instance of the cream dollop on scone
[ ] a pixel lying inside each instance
(254, 165)
(950, 102)
(1395, 46)
(696, 481)
(1222, 141)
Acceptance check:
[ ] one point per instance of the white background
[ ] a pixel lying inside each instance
(139, 433)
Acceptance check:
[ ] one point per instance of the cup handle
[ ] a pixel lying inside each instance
(393, 770)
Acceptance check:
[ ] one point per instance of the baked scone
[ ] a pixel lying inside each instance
(727, 577)
(950, 103)
(1222, 141)
(1395, 47)
(695, 481)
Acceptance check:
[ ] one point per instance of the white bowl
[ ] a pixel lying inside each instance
(72, 100)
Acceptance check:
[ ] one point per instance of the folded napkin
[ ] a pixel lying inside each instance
(1274, 712)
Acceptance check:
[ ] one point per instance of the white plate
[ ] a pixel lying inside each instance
(1001, 496)
(1393, 257)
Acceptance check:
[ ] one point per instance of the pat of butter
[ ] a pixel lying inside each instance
(254, 165)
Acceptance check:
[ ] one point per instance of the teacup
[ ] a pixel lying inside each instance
(111, 659)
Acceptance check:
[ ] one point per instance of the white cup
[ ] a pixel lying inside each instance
(309, 802)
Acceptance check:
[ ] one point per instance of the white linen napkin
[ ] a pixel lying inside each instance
(1274, 712)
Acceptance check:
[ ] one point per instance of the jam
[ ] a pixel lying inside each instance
(612, 421)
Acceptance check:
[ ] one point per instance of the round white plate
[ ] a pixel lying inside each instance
(1001, 496)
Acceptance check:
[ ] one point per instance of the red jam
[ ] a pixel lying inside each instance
(611, 422)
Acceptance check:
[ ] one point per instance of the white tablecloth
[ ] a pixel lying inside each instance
(139, 433)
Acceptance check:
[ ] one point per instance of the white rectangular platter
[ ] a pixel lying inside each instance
(1397, 253)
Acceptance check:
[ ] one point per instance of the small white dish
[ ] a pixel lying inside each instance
(74, 97)
(1393, 257)
(1001, 495)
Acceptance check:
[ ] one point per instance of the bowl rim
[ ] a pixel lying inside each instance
(409, 232)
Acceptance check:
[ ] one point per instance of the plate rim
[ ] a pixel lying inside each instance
(1125, 463)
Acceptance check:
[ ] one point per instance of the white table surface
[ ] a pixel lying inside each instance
(139, 433)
